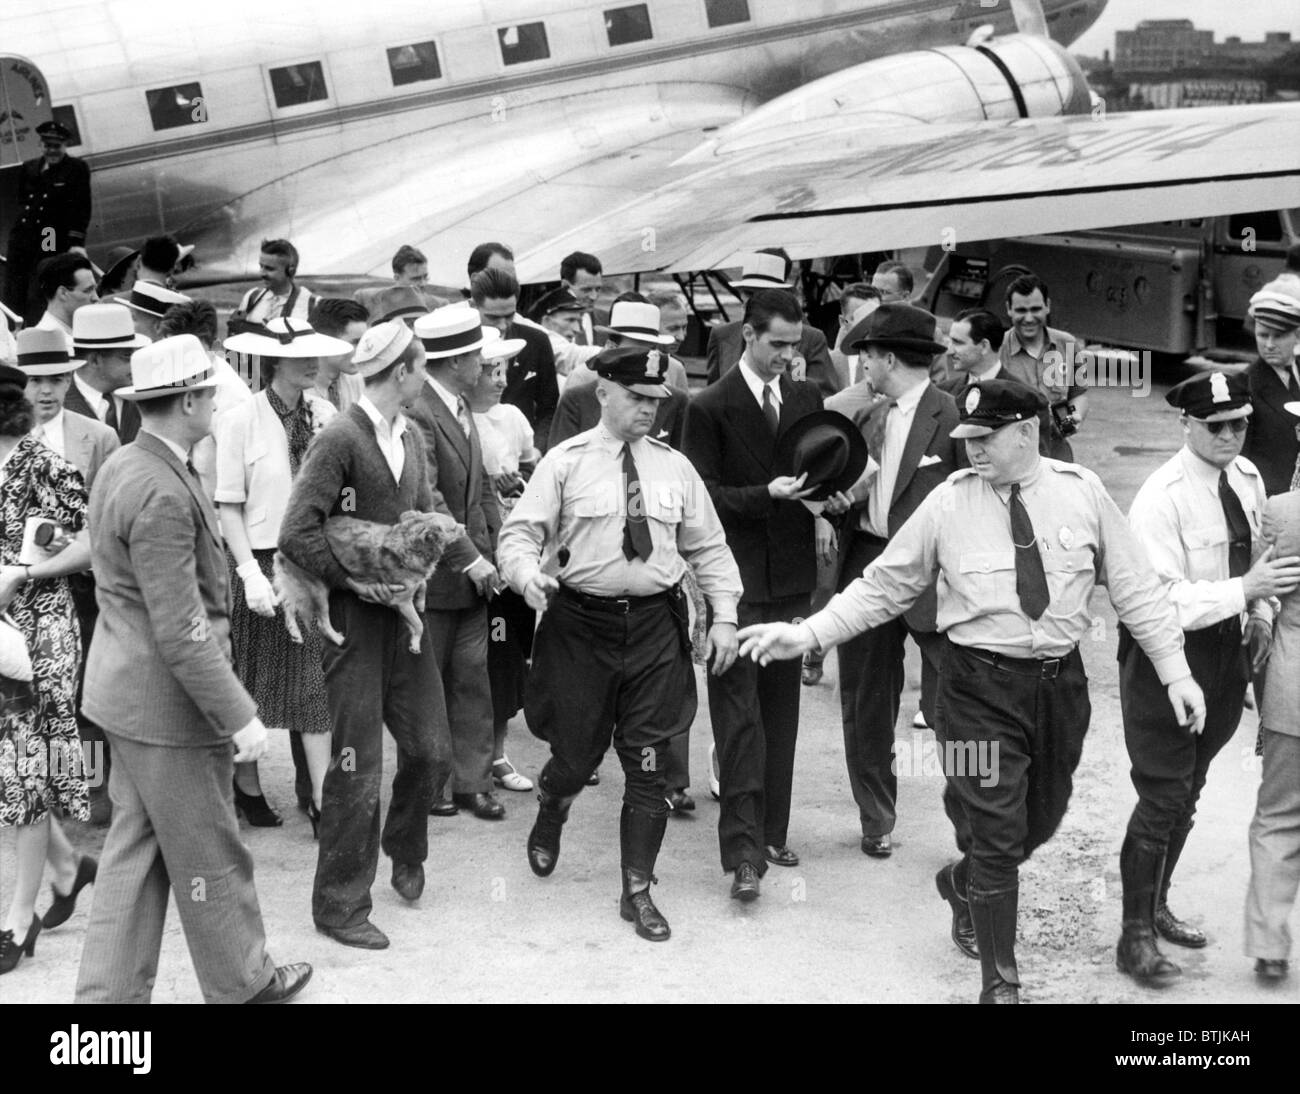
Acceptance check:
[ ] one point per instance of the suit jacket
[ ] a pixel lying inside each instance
(1271, 443)
(456, 477)
(530, 380)
(732, 447)
(927, 442)
(159, 669)
(57, 197)
(727, 343)
(1279, 709)
(128, 422)
(87, 443)
(579, 411)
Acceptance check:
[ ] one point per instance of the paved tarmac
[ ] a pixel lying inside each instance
(838, 928)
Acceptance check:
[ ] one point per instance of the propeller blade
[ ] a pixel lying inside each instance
(1029, 17)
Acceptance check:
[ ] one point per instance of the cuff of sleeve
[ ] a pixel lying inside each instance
(246, 569)
(820, 633)
(1239, 604)
(1262, 610)
(1172, 667)
(724, 611)
(474, 562)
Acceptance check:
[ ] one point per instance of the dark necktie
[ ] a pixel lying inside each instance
(1292, 388)
(110, 415)
(769, 410)
(636, 532)
(1238, 528)
(1031, 581)
(876, 433)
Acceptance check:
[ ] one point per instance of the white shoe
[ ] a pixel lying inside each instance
(715, 787)
(919, 722)
(506, 777)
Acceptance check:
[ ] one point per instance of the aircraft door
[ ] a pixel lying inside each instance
(24, 104)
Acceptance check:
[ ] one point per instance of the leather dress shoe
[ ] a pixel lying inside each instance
(877, 846)
(1001, 994)
(1138, 956)
(780, 856)
(637, 907)
(287, 982)
(64, 905)
(680, 802)
(1172, 929)
(1271, 970)
(484, 805)
(408, 879)
(744, 885)
(443, 808)
(364, 936)
(963, 928)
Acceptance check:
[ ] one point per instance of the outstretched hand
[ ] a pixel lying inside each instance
(768, 642)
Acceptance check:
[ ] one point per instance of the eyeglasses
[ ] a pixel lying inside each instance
(1237, 425)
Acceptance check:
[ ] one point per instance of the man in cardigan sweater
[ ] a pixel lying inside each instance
(369, 464)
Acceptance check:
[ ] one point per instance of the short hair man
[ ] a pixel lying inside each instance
(856, 302)
(104, 336)
(1271, 441)
(674, 321)
(159, 258)
(494, 256)
(67, 283)
(560, 313)
(410, 267)
(337, 381)
(893, 280)
(280, 296)
(582, 275)
(974, 342)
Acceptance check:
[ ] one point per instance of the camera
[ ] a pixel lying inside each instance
(1062, 415)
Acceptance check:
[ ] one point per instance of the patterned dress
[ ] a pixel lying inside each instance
(41, 761)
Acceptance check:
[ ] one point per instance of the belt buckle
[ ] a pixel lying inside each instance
(1050, 668)
(624, 605)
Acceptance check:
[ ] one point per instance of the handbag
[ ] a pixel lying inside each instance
(15, 660)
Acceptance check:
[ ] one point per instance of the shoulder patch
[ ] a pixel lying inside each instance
(1246, 467)
(658, 443)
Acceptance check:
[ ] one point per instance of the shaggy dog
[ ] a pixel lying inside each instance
(404, 554)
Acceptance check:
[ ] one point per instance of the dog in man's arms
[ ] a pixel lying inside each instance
(402, 554)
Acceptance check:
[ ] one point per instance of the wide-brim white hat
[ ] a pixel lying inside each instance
(151, 298)
(760, 271)
(170, 366)
(496, 348)
(45, 353)
(630, 319)
(97, 327)
(287, 338)
(450, 331)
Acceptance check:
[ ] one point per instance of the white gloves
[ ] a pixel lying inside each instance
(258, 594)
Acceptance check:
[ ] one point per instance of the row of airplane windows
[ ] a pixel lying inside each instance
(295, 85)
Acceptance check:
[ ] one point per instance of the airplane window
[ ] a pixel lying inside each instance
(1266, 226)
(629, 24)
(524, 42)
(67, 116)
(181, 104)
(410, 64)
(722, 13)
(297, 84)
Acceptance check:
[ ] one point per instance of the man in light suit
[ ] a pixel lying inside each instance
(159, 680)
(906, 421)
(456, 598)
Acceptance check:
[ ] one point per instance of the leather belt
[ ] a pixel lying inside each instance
(1044, 668)
(613, 605)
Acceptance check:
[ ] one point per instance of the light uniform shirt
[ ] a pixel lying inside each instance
(97, 401)
(51, 433)
(898, 425)
(1179, 519)
(577, 499)
(389, 438)
(961, 532)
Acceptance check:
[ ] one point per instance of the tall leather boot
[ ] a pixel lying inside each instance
(1141, 867)
(1168, 925)
(544, 839)
(994, 916)
(640, 835)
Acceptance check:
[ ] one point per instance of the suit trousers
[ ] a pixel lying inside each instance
(374, 680)
(871, 687)
(1012, 737)
(174, 830)
(1274, 850)
(755, 714)
(460, 649)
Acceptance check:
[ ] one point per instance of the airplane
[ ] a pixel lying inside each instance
(663, 135)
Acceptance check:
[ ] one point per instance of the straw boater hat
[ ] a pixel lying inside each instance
(760, 271)
(45, 353)
(630, 319)
(450, 331)
(282, 337)
(380, 346)
(169, 366)
(104, 327)
(154, 299)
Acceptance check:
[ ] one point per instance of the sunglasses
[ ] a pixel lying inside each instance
(1237, 425)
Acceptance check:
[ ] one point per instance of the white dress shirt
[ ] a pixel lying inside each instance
(51, 434)
(97, 401)
(897, 426)
(389, 438)
(756, 385)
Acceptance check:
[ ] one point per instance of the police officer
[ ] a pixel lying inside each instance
(622, 515)
(54, 196)
(1018, 542)
(1198, 516)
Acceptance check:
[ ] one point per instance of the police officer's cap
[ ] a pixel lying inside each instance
(989, 405)
(54, 131)
(638, 369)
(1216, 396)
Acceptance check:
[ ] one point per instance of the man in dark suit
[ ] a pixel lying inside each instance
(731, 434)
(54, 196)
(1271, 441)
(103, 335)
(160, 681)
(531, 384)
(974, 342)
(906, 421)
(456, 598)
(767, 270)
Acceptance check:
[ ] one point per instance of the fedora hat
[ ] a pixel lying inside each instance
(631, 319)
(828, 448)
(154, 299)
(899, 325)
(398, 302)
(45, 353)
(762, 271)
(119, 258)
(380, 346)
(105, 326)
(282, 337)
(169, 366)
(450, 331)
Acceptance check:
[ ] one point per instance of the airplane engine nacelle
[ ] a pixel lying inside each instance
(1020, 76)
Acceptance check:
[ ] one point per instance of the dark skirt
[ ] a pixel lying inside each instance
(283, 678)
(510, 644)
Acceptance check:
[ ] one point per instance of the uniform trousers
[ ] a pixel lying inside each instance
(755, 714)
(174, 831)
(373, 680)
(1169, 763)
(871, 688)
(603, 675)
(1023, 723)
(460, 649)
(1274, 850)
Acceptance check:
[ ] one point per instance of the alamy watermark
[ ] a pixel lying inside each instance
(923, 756)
